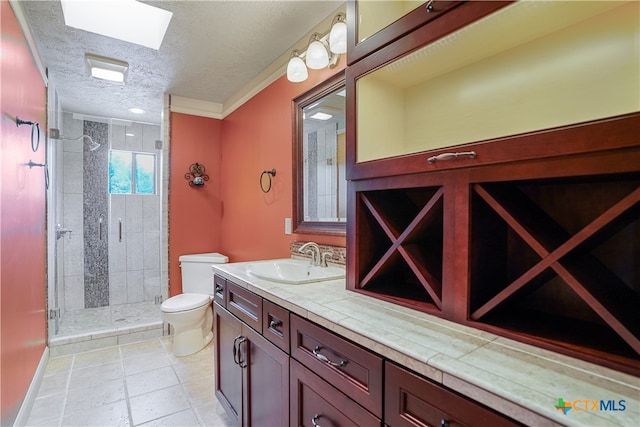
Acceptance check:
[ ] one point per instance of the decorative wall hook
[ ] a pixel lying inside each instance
(265, 180)
(196, 175)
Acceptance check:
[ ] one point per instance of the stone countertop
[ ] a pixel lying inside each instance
(521, 381)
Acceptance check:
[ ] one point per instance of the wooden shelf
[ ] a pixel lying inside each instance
(567, 225)
(401, 258)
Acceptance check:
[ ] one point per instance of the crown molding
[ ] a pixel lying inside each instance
(273, 72)
(195, 107)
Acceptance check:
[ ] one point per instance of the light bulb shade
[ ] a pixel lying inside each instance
(338, 37)
(296, 70)
(317, 55)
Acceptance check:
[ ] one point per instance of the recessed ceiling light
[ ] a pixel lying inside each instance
(106, 68)
(135, 110)
(321, 116)
(126, 20)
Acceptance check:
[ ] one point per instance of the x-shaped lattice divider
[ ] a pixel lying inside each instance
(431, 284)
(615, 303)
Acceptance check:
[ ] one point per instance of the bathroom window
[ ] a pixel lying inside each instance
(131, 172)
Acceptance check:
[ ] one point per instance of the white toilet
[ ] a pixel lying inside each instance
(190, 314)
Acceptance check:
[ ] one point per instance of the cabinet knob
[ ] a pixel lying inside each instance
(275, 323)
(314, 420)
(444, 423)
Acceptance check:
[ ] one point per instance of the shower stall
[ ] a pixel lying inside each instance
(106, 207)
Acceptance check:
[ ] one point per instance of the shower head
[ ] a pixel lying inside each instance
(92, 144)
(54, 134)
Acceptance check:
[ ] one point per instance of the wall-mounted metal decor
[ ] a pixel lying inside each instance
(265, 180)
(196, 175)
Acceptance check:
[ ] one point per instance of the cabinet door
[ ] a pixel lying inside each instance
(228, 374)
(452, 93)
(411, 400)
(315, 402)
(265, 382)
(373, 24)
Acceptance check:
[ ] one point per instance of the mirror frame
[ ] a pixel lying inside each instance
(298, 104)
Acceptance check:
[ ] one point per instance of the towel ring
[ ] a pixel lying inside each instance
(265, 180)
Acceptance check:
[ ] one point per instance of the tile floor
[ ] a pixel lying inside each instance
(139, 384)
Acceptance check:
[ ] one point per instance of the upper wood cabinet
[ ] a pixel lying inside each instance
(448, 93)
(373, 24)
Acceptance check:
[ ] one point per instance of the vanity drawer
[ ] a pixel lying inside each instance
(411, 400)
(275, 325)
(219, 286)
(315, 402)
(348, 367)
(245, 305)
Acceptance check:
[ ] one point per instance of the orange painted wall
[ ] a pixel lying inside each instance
(257, 137)
(22, 218)
(231, 214)
(194, 212)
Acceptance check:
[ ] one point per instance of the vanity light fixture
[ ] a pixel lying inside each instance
(296, 70)
(317, 54)
(322, 51)
(338, 35)
(108, 69)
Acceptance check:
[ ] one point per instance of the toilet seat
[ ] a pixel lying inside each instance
(184, 302)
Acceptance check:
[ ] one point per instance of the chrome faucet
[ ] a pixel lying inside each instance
(314, 249)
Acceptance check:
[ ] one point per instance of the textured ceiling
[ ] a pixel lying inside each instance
(212, 49)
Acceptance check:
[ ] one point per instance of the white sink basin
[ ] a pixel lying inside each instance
(293, 271)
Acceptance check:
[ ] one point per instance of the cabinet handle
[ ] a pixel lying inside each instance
(325, 359)
(237, 354)
(100, 229)
(120, 229)
(449, 156)
(218, 289)
(430, 6)
(275, 323)
(444, 423)
(314, 420)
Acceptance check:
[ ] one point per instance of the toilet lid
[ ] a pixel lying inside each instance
(184, 302)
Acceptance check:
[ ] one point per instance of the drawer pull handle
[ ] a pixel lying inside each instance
(444, 423)
(218, 289)
(325, 359)
(275, 323)
(449, 156)
(237, 353)
(314, 420)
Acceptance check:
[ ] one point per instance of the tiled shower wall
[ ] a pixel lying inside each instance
(129, 270)
(322, 172)
(134, 227)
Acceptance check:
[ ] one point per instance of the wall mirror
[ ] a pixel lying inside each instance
(320, 187)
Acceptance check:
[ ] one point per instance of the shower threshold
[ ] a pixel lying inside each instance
(94, 328)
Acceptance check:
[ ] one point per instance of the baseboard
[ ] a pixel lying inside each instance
(32, 391)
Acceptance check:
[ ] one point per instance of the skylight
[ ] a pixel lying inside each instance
(126, 20)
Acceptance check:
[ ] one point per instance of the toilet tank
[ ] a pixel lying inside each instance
(197, 276)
